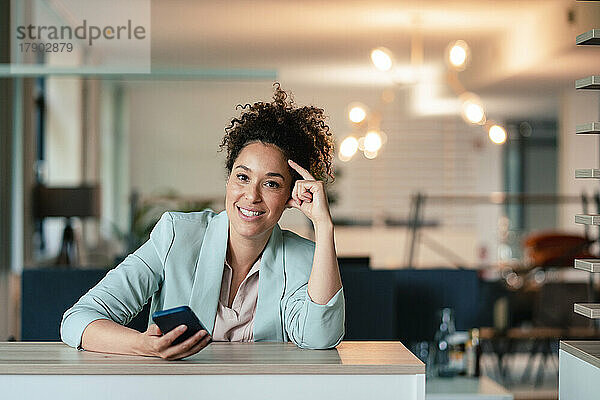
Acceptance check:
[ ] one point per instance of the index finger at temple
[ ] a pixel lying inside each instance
(303, 173)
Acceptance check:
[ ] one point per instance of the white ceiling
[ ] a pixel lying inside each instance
(519, 48)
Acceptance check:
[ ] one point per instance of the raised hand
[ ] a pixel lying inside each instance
(309, 196)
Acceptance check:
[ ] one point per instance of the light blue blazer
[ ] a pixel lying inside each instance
(182, 264)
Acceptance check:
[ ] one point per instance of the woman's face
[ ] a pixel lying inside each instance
(258, 189)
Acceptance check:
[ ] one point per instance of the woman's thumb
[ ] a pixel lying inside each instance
(154, 330)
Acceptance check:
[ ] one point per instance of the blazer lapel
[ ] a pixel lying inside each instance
(209, 271)
(267, 319)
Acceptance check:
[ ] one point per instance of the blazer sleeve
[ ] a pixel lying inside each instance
(122, 293)
(314, 326)
(308, 324)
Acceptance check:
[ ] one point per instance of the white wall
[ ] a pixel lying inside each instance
(63, 131)
(175, 129)
(62, 166)
(175, 144)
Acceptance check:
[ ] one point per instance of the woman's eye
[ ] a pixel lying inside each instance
(272, 184)
(242, 177)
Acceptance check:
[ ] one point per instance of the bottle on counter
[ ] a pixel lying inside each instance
(458, 360)
(473, 354)
(445, 330)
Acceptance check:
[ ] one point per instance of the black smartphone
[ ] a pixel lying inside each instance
(170, 319)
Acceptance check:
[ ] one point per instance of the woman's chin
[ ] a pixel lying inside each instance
(251, 227)
(246, 230)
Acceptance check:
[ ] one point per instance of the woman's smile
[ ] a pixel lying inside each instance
(249, 214)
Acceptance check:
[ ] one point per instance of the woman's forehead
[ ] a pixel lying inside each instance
(260, 157)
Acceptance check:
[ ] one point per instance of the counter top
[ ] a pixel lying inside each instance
(219, 358)
(587, 350)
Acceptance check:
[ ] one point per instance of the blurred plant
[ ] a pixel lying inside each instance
(145, 213)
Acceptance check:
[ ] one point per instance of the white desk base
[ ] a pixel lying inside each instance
(213, 387)
(577, 379)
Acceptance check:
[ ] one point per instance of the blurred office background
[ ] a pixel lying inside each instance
(458, 192)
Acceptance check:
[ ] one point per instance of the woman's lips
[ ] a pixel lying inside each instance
(248, 217)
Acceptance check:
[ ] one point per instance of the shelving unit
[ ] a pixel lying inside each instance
(588, 83)
(587, 173)
(589, 38)
(591, 128)
(579, 365)
(590, 310)
(587, 219)
(588, 264)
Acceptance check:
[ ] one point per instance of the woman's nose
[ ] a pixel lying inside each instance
(253, 193)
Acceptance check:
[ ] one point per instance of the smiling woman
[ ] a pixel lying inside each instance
(245, 278)
(258, 190)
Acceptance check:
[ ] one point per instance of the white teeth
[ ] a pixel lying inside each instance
(249, 213)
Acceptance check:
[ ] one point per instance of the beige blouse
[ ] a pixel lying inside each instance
(236, 324)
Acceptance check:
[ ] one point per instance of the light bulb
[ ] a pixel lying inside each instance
(357, 114)
(497, 134)
(458, 54)
(472, 110)
(372, 141)
(382, 58)
(348, 148)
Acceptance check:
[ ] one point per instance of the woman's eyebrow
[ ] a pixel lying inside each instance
(275, 174)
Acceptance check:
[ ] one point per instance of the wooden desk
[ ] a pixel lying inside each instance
(359, 370)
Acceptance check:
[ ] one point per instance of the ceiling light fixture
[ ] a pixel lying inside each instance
(458, 55)
(372, 142)
(382, 58)
(348, 148)
(357, 113)
(472, 109)
(497, 134)
(474, 113)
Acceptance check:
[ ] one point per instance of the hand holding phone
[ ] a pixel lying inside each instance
(167, 343)
(167, 320)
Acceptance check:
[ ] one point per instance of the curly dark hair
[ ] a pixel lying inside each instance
(299, 132)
